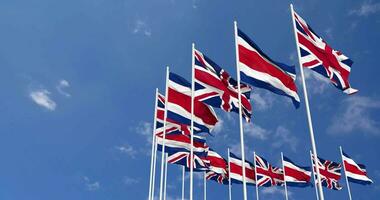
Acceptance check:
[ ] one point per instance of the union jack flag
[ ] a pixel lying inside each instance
(355, 173)
(267, 175)
(179, 106)
(330, 173)
(236, 172)
(295, 175)
(215, 87)
(317, 55)
(217, 170)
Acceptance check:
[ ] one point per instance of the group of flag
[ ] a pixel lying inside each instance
(191, 104)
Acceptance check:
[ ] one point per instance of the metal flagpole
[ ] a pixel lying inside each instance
(192, 122)
(152, 161)
(240, 113)
(204, 186)
(345, 173)
(314, 148)
(154, 167)
(257, 186)
(183, 182)
(164, 135)
(229, 176)
(166, 174)
(283, 169)
(312, 170)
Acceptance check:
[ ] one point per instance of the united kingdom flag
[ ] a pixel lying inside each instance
(217, 168)
(317, 55)
(330, 173)
(267, 175)
(215, 87)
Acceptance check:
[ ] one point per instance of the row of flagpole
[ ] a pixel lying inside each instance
(163, 174)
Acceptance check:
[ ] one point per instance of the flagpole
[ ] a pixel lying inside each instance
(154, 166)
(151, 187)
(345, 173)
(312, 170)
(192, 121)
(164, 135)
(254, 165)
(204, 186)
(166, 174)
(283, 169)
(314, 148)
(183, 182)
(240, 113)
(229, 176)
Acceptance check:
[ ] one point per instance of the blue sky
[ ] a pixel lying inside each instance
(78, 80)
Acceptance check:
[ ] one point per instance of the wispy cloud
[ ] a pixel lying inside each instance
(366, 8)
(145, 129)
(316, 83)
(355, 114)
(274, 191)
(130, 181)
(262, 100)
(219, 126)
(141, 27)
(62, 85)
(255, 131)
(91, 186)
(41, 97)
(127, 149)
(283, 137)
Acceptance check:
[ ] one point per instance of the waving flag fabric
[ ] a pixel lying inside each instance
(236, 171)
(257, 69)
(215, 87)
(317, 55)
(355, 173)
(330, 173)
(267, 175)
(178, 147)
(179, 106)
(295, 175)
(217, 170)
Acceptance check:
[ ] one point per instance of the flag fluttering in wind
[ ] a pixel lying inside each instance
(179, 106)
(258, 70)
(355, 173)
(267, 175)
(236, 173)
(295, 175)
(215, 87)
(317, 55)
(330, 173)
(217, 170)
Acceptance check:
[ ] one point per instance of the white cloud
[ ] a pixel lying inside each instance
(274, 190)
(315, 82)
(41, 98)
(262, 100)
(145, 129)
(91, 186)
(367, 8)
(283, 137)
(130, 180)
(127, 149)
(219, 126)
(255, 131)
(355, 114)
(141, 27)
(61, 86)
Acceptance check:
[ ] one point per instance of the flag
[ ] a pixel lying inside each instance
(295, 175)
(179, 106)
(217, 170)
(236, 172)
(355, 173)
(317, 55)
(215, 87)
(178, 147)
(267, 175)
(257, 69)
(329, 172)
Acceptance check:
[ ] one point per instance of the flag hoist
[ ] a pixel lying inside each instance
(310, 124)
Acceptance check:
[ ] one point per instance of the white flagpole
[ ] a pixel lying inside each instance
(192, 121)
(204, 186)
(283, 169)
(154, 167)
(313, 145)
(240, 113)
(229, 176)
(183, 182)
(312, 170)
(166, 174)
(345, 173)
(257, 186)
(164, 135)
(152, 160)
